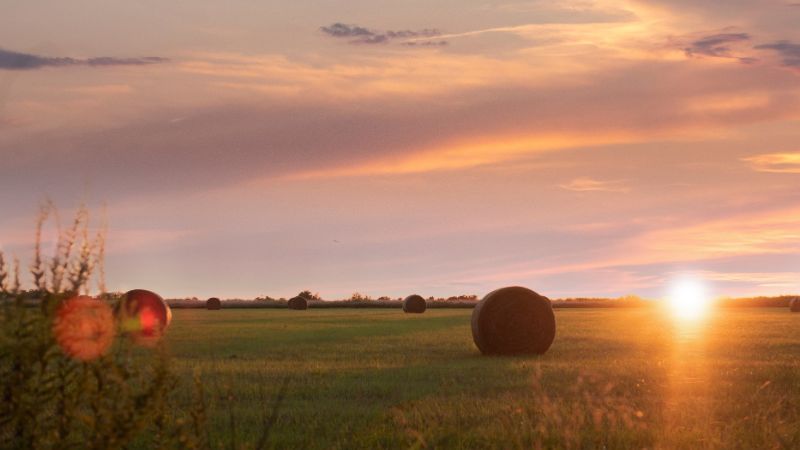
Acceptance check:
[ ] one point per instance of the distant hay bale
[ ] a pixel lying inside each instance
(213, 304)
(298, 303)
(513, 320)
(414, 304)
(143, 315)
(794, 305)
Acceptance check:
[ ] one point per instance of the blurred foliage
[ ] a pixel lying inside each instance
(124, 397)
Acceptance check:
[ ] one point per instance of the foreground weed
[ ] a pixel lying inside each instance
(63, 384)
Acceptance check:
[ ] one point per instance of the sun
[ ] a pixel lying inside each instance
(688, 299)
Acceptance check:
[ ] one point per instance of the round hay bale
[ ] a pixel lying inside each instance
(513, 320)
(414, 304)
(144, 316)
(794, 305)
(213, 304)
(298, 303)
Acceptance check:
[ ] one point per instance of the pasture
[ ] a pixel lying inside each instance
(614, 378)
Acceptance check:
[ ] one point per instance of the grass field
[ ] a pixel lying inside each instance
(624, 378)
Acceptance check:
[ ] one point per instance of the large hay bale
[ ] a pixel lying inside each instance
(414, 304)
(213, 304)
(144, 316)
(298, 303)
(513, 320)
(794, 305)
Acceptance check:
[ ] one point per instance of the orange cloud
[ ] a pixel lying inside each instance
(592, 185)
(729, 102)
(461, 155)
(764, 279)
(103, 89)
(774, 232)
(363, 76)
(775, 162)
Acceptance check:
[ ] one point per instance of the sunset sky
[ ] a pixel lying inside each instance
(443, 147)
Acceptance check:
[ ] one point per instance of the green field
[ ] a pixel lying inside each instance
(631, 378)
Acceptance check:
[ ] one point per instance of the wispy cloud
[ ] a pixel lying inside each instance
(440, 43)
(479, 151)
(103, 89)
(789, 51)
(766, 233)
(733, 45)
(770, 232)
(775, 162)
(361, 35)
(719, 45)
(11, 60)
(592, 185)
(765, 279)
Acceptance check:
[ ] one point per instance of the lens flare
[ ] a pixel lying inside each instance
(84, 328)
(688, 299)
(144, 316)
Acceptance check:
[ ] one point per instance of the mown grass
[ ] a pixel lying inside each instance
(629, 378)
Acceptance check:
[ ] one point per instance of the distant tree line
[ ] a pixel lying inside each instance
(358, 300)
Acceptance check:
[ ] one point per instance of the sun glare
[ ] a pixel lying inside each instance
(688, 299)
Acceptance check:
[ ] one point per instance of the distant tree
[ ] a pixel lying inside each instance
(356, 297)
(308, 295)
(462, 298)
